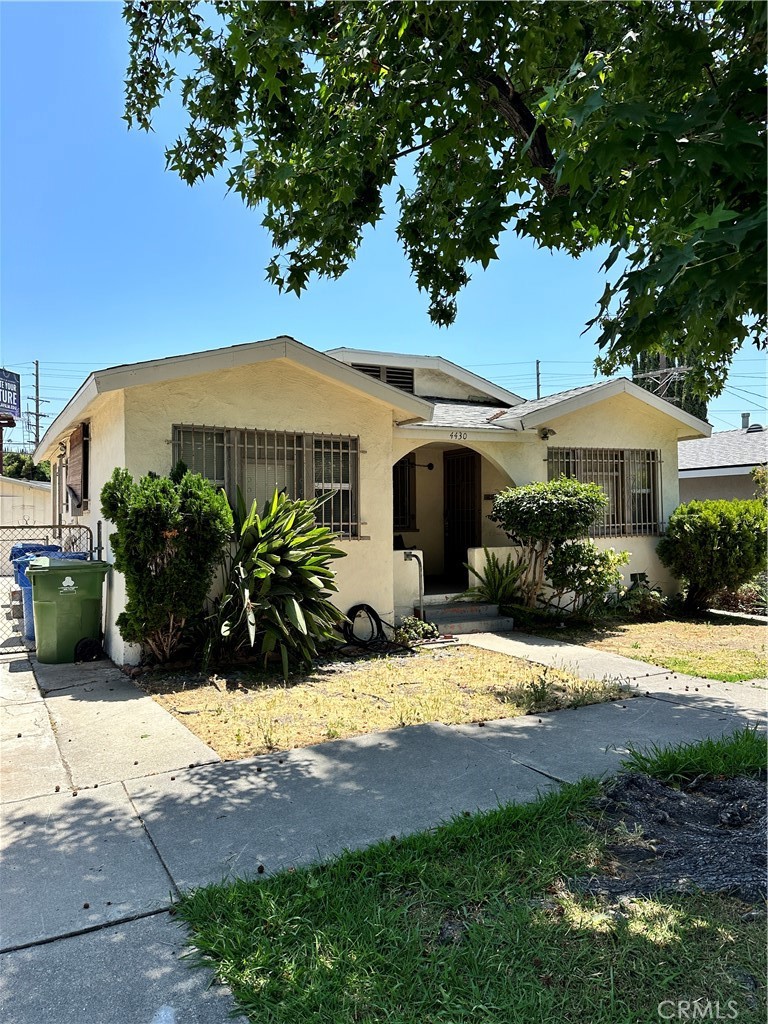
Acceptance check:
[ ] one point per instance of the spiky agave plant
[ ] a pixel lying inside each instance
(281, 581)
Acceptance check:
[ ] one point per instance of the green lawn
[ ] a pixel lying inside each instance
(471, 924)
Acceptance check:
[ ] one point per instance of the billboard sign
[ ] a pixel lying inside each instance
(10, 394)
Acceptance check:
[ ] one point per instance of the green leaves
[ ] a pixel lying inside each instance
(170, 534)
(540, 517)
(280, 583)
(498, 582)
(714, 545)
(637, 125)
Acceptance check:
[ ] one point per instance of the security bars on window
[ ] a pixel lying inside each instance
(257, 461)
(631, 477)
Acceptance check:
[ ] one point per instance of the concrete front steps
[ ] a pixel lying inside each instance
(453, 617)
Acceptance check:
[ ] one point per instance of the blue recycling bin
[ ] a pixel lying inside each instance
(26, 548)
(20, 573)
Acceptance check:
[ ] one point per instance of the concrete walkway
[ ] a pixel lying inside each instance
(110, 807)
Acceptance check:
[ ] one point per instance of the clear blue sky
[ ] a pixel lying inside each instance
(107, 258)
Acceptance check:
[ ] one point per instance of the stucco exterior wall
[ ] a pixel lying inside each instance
(24, 501)
(282, 395)
(619, 422)
(716, 488)
(107, 450)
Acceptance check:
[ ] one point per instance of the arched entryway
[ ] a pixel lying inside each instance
(442, 495)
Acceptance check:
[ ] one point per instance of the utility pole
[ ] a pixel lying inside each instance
(538, 378)
(37, 403)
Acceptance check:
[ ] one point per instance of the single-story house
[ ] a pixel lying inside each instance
(721, 466)
(414, 447)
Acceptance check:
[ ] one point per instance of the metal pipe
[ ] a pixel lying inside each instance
(409, 556)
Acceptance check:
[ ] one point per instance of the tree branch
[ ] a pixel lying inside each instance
(523, 124)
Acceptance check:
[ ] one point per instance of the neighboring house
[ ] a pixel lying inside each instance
(23, 503)
(412, 447)
(721, 466)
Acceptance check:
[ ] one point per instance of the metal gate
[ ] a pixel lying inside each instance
(65, 537)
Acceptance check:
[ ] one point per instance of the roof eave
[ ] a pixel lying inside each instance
(599, 393)
(408, 408)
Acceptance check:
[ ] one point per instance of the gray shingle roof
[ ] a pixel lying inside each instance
(466, 415)
(725, 448)
(537, 404)
(463, 415)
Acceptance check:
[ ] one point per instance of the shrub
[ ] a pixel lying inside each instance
(170, 535)
(752, 597)
(541, 516)
(280, 583)
(642, 601)
(712, 545)
(582, 569)
(412, 631)
(760, 479)
(498, 583)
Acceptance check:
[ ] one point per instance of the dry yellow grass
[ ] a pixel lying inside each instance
(244, 713)
(713, 648)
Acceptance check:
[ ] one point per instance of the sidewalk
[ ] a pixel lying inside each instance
(88, 878)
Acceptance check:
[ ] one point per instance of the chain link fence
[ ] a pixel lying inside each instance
(65, 537)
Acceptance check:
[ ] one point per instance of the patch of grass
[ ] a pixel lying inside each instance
(744, 752)
(469, 923)
(248, 713)
(727, 650)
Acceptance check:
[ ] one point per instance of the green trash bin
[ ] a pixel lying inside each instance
(66, 602)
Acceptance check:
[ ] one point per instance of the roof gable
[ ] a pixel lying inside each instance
(115, 378)
(540, 411)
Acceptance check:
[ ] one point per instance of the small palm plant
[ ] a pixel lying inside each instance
(498, 582)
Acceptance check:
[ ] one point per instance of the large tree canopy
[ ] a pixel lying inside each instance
(637, 124)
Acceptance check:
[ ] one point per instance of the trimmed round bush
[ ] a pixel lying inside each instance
(714, 545)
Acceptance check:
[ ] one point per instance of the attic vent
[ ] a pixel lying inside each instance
(372, 371)
(398, 376)
(755, 428)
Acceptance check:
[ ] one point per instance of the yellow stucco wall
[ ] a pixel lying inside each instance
(107, 450)
(618, 422)
(282, 395)
(132, 428)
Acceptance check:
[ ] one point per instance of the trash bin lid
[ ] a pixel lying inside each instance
(45, 563)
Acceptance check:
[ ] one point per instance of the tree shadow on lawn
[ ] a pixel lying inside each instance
(474, 921)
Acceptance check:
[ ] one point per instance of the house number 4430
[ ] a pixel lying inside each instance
(458, 435)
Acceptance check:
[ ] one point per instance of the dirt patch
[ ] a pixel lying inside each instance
(708, 837)
(714, 648)
(244, 713)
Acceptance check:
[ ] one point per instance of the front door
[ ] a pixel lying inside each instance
(461, 509)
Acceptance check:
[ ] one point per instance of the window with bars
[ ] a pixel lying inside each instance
(398, 376)
(630, 477)
(404, 493)
(256, 461)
